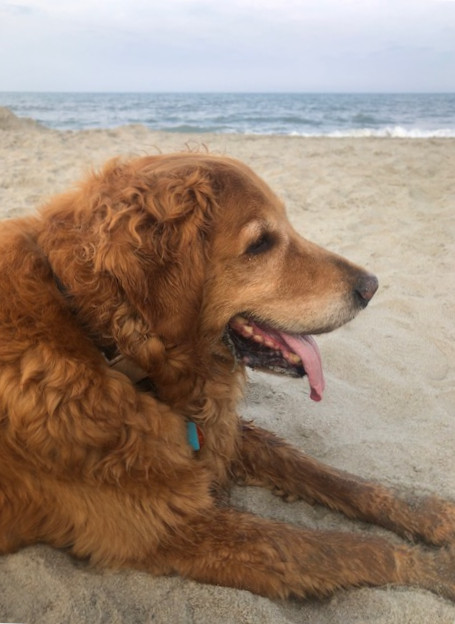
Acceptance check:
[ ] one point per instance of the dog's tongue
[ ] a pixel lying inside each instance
(306, 348)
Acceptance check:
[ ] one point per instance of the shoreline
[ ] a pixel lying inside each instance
(387, 204)
(310, 116)
(9, 121)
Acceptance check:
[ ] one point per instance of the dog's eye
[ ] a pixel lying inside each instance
(262, 244)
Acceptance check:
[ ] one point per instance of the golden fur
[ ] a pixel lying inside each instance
(151, 259)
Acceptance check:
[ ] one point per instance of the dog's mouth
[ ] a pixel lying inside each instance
(260, 346)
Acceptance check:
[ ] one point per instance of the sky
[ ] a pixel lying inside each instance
(228, 45)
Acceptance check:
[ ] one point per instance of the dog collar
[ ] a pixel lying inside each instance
(194, 435)
(137, 375)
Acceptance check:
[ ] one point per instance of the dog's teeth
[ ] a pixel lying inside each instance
(258, 338)
(240, 320)
(247, 330)
(269, 343)
(293, 358)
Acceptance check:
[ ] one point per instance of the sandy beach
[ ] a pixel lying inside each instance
(388, 411)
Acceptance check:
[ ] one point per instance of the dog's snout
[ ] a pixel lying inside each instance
(366, 285)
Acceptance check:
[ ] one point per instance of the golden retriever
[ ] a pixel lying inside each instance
(182, 269)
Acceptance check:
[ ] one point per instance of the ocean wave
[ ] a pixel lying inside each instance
(362, 119)
(204, 117)
(396, 132)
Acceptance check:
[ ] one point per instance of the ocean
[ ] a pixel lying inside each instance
(294, 114)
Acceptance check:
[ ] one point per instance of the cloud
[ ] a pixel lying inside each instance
(235, 45)
(18, 9)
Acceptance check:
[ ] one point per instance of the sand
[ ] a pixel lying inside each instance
(388, 411)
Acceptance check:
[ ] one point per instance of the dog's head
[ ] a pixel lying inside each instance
(203, 251)
(269, 287)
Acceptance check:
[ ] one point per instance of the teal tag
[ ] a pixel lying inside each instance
(193, 438)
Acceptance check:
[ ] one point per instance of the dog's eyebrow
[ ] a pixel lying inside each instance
(256, 227)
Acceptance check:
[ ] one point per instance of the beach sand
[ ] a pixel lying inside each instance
(388, 411)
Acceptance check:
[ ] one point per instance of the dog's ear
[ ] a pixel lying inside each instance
(152, 239)
(180, 202)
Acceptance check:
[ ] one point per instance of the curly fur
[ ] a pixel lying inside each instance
(149, 259)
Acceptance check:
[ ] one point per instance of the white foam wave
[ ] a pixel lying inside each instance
(397, 132)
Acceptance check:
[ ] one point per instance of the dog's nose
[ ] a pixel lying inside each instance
(366, 286)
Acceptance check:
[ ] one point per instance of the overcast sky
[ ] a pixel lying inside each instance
(227, 45)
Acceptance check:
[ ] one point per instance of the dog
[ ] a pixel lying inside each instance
(131, 307)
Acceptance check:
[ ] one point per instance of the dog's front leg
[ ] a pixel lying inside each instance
(268, 461)
(227, 547)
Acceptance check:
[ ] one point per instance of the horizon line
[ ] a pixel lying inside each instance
(234, 92)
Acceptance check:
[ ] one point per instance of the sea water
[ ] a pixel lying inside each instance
(299, 114)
